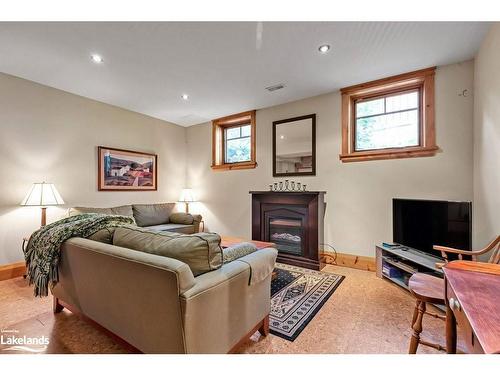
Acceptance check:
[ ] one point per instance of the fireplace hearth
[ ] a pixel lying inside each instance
(293, 221)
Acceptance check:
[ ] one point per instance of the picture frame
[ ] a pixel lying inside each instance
(126, 170)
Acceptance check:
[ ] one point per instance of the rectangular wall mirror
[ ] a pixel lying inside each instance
(294, 146)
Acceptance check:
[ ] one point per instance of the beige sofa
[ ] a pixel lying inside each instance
(155, 303)
(158, 216)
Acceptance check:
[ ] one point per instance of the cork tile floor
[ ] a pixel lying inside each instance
(364, 315)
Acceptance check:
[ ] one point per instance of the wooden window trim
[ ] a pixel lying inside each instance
(423, 80)
(218, 126)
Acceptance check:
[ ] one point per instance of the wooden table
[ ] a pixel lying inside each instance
(227, 241)
(472, 291)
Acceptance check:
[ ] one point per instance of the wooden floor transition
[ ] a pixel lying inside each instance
(364, 315)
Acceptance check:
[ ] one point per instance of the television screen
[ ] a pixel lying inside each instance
(420, 224)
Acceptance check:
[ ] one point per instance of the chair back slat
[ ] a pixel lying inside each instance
(495, 256)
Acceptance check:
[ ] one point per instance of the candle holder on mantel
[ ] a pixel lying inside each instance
(287, 186)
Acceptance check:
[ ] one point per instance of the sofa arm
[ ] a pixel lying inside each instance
(187, 219)
(196, 222)
(238, 268)
(222, 308)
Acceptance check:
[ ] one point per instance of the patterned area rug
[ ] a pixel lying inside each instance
(297, 294)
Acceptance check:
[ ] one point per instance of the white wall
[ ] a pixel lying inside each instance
(358, 194)
(487, 140)
(51, 135)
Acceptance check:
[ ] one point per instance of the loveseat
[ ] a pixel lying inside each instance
(163, 292)
(158, 216)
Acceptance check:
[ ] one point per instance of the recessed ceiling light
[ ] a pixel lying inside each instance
(282, 137)
(96, 58)
(324, 48)
(185, 96)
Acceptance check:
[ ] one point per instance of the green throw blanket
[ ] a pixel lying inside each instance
(43, 250)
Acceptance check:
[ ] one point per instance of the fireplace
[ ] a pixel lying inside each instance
(293, 221)
(287, 234)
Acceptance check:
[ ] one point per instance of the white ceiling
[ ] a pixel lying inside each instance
(224, 66)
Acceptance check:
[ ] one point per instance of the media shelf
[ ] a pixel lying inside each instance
(401, 262)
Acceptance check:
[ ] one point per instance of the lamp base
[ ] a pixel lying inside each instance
(44, 216)
(187, 207)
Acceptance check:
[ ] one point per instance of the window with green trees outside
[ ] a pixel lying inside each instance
(237, 144)
(387, 122)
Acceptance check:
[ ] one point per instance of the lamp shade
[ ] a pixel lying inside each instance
(42, 194)
(187, 196)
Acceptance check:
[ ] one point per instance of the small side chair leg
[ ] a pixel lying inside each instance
(415, 313)
(417, 327)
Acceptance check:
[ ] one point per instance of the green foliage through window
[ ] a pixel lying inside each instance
(237, 144)
(387, 122)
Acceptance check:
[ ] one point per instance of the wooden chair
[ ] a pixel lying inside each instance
(430, 289)
(494, 257)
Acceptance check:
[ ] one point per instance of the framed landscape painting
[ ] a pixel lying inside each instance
(126, 170)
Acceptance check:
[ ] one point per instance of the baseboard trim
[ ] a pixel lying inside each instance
(10, 271)
(349, 260)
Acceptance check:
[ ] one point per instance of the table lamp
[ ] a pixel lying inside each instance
(42, 194)
(187, 197)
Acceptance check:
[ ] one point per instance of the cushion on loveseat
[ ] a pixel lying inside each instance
(181, 218)
(152, 214)
(201, 251)
(104, 235)
(120, 210)
(237, 251)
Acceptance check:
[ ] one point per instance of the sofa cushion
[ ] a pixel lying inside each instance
(171, 227)
(201, 251)
(104, 235)
(181, 218)
(237, 251)
(120, 210)
(152, 214)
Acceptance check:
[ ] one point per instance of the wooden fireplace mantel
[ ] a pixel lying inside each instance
(287, 192)
(307, 208)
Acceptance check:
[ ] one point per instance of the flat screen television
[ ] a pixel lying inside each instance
(420, 224)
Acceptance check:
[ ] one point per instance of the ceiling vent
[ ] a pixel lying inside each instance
(279, 86)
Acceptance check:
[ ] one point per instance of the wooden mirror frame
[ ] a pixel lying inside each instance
(313, 130)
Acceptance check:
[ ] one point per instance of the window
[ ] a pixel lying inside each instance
(237, 144)
(233, 142)
(387, 122)
(389, 118)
